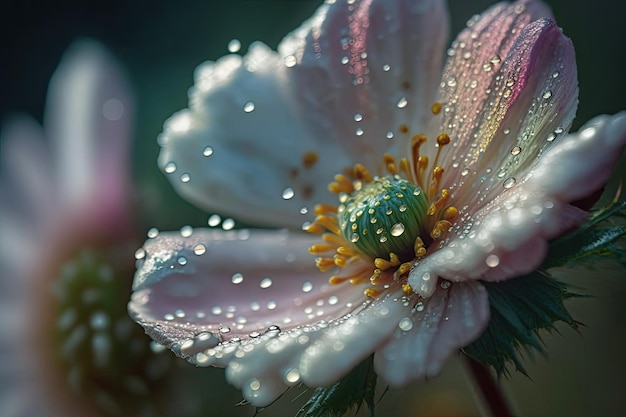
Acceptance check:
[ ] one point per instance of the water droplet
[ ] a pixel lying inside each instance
(304, 210)
(402, 103)
(419, 306)
(467, 55)
(386, 67)
(182, 261)
(199, 249)
(207, 151)
(248, 107)
(288, 193)
(216, 310)
(224, 329)
(397, 229)
(292, 376)
(383, 239)
(464, 172)
(509, 182)
(307, 286)
(519, 9)
(358, 131)
(506, 131)
(345, 60)
(551, 137)
(140, 253)
(290, 61)
(516, 150)
(451, 82)
(185, 177)
(153, 232)
(495, 59)
(237, 278)
(556, 74)
(234, 46)
(547, 94)
(487, 67)
(214, 220)
(405, 324)
(266, 283)
(271, 305)
(389, 135)
(492, 261)
(228, 224)
(186, 231)
(170, 168)
(358, 117)
(354, 238)
(559, 130)
(445, 284)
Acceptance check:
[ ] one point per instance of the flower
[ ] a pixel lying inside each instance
(66, 252)
(482, 170)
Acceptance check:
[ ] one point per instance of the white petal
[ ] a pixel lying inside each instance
(509, 236)
(244, 145)
(441, 325)
(87, 118)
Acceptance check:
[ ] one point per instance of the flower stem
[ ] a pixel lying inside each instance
(493, 398)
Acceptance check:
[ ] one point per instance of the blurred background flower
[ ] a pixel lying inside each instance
(159, 45)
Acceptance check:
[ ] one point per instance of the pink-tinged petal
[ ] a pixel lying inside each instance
(28, 180)
(254, 303)
(509, 236)
(505, 113)
(232, 285)
(451, 319)
(375, 65)
(581, 163)
(88, 119)
(258, 143)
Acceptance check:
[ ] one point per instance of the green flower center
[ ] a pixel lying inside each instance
(385, 216)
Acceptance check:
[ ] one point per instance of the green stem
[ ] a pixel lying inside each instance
(493, 398)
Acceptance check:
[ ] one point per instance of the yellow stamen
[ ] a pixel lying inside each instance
(342, 184)
(408, 290)
(440, 228)
(419, 248)
(434, 182)
(361, 173)
(384, 264)
(371, 292)
(330, 223)
(450, 213)
(324, 264)
(320, 248)
(436, 108)
(390, 164)
(437, 206)
(324, 209)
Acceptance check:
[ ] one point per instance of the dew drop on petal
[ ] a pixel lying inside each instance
(386, 67)
(551, 137)
(228, 224)
(182, 260)
(402, 103)
(288, 193)
(214, 220)
(216, 310)
(292, 376)
(405, 324)
(140, 253)
(547, 94)
(556, 74)
(492, 261)
(419, 306)
(153, 232)
(290, 61)
(237, 278)
(207, 151)
(516, 150)
(234, 46)
(509, 182)
(199, 249)
(248, 107)
(358, 131)
(445, 284)
(464, 172)
(186, 231)
(185, 177)
(266, 283)
(307, 286)
(358, 117)
(389, 135)
(170, 168)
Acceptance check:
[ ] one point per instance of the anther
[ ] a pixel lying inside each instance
(407, 289)
(450, 213)
(404, 129)
(390, 164)
(362, 173)
(342, 184)
(324, 209)
(436, 108)
(443, 139)
(384, 264)
(371, 292)
(440, 228)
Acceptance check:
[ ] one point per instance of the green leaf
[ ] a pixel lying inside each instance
(598, 238)
(520, 309)
(350, 391)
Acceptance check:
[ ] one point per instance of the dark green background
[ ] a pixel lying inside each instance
(160, 44)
